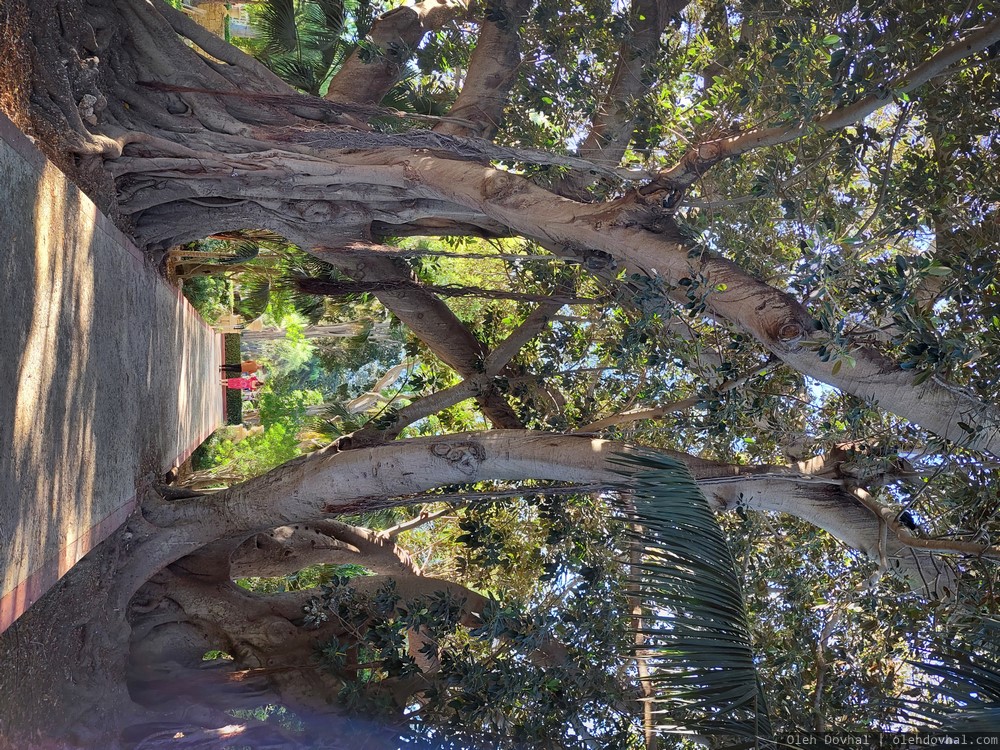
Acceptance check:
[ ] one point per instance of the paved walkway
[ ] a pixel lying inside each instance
(107, 376)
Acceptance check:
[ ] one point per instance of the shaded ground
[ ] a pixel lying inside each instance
(122, 320)
(110, 376)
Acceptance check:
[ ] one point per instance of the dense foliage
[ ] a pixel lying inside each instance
(758, 239)
(835, 218)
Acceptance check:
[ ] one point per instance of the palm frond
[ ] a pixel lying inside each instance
(310, 266)
(409, 94)
(278, 26)
(243, 252)
(306, 42)
(323, 24)
(965, 683)
(696, 643)
(309, 306)
(332, 420)
(334, 14)
(299, 72)
(975, 720)
(335, 410)
(253, 304)
(364, 16)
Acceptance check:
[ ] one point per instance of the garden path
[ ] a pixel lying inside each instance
(108, 377)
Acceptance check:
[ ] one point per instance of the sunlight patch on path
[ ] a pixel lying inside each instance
(107, 375)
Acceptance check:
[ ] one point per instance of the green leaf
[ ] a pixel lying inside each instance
(936, 270)
(278, 25)
(698, 646)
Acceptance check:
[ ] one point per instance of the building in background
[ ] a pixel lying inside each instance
(226, 19)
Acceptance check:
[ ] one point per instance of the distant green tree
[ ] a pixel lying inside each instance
(210, 295)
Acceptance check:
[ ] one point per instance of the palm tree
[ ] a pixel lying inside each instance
(964, 680)
(306, 41)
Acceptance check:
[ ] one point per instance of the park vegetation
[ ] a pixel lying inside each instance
(681, 321)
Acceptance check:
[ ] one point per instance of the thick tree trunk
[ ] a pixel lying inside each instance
(274, 650)
(232, 162)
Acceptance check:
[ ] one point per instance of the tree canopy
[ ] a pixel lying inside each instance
(746, 248)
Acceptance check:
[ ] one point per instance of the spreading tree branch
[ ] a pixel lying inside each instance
(655, 249)
(422, 519)
(705, 155)
(674, 407)
(377, 64)
(431, 320)
(326, 482)
(492, 70)
(614, 119)
(471, 386)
